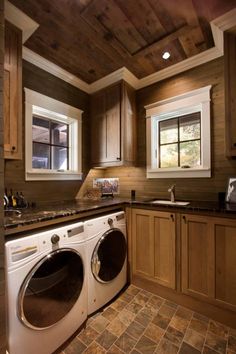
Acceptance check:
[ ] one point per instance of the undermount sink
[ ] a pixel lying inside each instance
(168, 202)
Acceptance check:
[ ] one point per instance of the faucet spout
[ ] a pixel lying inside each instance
(171, 190)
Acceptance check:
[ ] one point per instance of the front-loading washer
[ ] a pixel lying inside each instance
(46, 282)
(107, 258)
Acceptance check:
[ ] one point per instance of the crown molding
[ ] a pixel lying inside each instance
(28, 26)
(54, 69)
(20, 20)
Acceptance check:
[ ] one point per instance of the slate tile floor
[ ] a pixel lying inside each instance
(140, 322)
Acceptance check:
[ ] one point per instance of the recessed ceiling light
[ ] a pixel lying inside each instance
(166, 55)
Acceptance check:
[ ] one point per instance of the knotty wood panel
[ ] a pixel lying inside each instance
(211, 73)
(42, 82)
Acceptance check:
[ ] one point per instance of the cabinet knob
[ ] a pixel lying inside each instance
(172, 217)
(184, 218)
(118, 158)
(13, 148)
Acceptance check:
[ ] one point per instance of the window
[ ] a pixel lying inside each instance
(53, 138)
(178, 136)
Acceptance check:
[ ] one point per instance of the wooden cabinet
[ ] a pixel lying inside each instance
(12, 93)
(208, 259)
(230, 92)
(113, 126)
(153, 246)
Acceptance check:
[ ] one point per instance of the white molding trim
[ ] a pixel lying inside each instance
(54, 69)
(20, 20)
(28, 26)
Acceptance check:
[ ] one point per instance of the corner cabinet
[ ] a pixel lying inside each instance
(230, 92)
(12, 92)
(208, 259)
(153, 246)
(113, 126)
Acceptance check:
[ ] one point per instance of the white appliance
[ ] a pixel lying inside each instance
(46, 289)
(106, 257)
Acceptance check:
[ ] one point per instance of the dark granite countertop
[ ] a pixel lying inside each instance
(58, 212)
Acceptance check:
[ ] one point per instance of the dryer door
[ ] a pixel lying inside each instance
(109, 256)
(51, 289)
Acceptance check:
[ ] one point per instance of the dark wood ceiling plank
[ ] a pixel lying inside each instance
(162, 43)
(145, 20)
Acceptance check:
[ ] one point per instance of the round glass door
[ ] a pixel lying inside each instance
(51, 289)
(109, 256)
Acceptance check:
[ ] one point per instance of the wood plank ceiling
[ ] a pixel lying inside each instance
(92, 38)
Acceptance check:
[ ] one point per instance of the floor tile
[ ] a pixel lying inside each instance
(215, 342)
(106, 339)
(125, 342)
(114, 350)
(145, 345)
(135, 330)
(194, 339)
(179, 323)
(198, 326)
(134, 307)
(232, 332)
(218, 329)
(207, 350)
(167, 311)
(100, 323)
(161, 321)
(184, 313)
(94, 348)
(141, 299)
(174, 336)
(188, 349)
(200, 317)
(156, 301)
(126, 297)
(126, 317)
(154, 332)
(142, 318)
(76, 346)
(117, 327)
(109, 313)
(232, 343)
(133, 290)
(118, 305)
(166, 347)
(170, 304)
(88, 335)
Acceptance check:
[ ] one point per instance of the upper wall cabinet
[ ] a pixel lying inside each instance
(113, 126)
(230, 92)
(13, 93)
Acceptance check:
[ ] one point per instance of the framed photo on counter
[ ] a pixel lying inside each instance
(231, 191)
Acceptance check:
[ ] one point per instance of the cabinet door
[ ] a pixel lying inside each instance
(197, 256)
(142, 243)
(164, 249)
(98, 128)
(12, 93)
(113, 124)
(153, 243)
(225, 261)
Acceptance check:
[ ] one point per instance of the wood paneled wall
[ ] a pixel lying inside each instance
(211, 73)
(2, 271)
(38, 80)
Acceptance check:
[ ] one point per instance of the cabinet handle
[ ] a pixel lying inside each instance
(118, 158)
(172, 217)
(184, 218)
(13, 148)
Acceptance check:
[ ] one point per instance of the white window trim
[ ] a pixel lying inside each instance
(192, 101)
(37, 103)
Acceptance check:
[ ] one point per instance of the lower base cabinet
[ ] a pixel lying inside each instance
(209, 259)
(153, 246)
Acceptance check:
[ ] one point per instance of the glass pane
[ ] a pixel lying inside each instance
(111, 254)
(40, 130)
(59, 134)
(190, 153)
(168, 131)
(169, 155)
(189, 126)
(41, 156)
(59, 158)
(53, 289)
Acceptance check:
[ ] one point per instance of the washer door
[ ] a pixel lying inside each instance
(51, 289)
(109, 256)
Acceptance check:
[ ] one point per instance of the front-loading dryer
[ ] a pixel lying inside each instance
(106, 257)
(46, 282)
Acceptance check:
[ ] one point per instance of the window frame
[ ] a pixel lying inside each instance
(47, 107)
(193, 101)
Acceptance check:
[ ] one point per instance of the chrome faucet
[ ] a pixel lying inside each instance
(171, 190)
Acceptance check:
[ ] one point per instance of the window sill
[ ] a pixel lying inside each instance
(52, 176)
(179, 173)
